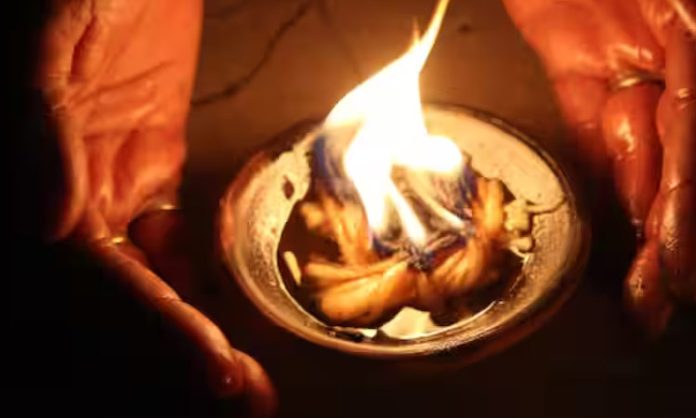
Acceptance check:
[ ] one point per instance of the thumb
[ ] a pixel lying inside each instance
(230, 372)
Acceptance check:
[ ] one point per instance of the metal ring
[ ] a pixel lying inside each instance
(635, 78)
(118, 239)
(157, 207)
(162, 207)
(151, 209)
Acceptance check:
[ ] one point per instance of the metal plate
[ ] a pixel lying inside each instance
(257, 205)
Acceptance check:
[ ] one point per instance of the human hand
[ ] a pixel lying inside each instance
(606, 60)
(116, 78)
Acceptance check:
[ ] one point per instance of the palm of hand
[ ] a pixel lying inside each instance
(117, 76)
(644, 131)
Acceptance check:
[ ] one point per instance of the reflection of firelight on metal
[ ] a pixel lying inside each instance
(260, 204)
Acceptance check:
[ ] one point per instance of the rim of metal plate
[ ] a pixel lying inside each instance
(258, 202)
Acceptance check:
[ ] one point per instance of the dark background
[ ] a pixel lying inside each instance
(79, 346)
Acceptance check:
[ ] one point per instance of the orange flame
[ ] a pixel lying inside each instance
(392, 132)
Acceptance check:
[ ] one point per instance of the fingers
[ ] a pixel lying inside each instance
(581, 100)
(66, 175)
(677, 223)
(645, 294)
(585, 45)
(123, 105)
(231, 372)
(630, 134)
(63, 176)
(665, 266)
(109, 69)
(70, 49)
(70, 21)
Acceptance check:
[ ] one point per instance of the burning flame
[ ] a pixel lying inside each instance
(392, 132)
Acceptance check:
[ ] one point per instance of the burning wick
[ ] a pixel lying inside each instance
(414, 224)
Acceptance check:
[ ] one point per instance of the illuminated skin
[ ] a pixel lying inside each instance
(117, 75)
(645, 134)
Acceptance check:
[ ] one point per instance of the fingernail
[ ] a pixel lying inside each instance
(259, 392)
(644, 294)
(229, 378)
